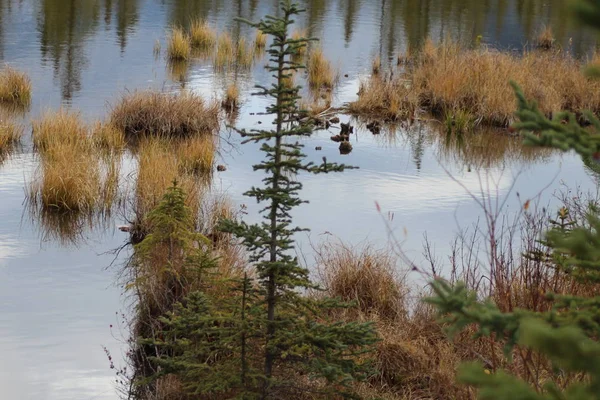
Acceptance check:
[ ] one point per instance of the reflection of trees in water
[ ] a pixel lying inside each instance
(63, 27)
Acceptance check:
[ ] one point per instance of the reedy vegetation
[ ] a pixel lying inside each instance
(15, 87)
(448, 79)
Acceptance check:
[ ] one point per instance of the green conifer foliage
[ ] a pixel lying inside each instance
(297, 343)
(568, 333)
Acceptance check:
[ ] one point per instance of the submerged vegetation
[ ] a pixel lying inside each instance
(15, 87)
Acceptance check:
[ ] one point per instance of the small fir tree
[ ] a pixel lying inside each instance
(568, 333)
(298, 345)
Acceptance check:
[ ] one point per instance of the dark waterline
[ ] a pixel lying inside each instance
(58, 300)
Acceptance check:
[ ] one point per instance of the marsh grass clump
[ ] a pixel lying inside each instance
(302, 50)
(178, 47)
(226, 52)
(244, 54)
(107, 137)
(10, 134)
(232, 98)
(158, 168)
(260, 40)
(459, 121)
(320, 73)
(202, 36)
(366, 276)
(197, 154)
(68, 178)
(376, 65)
(151, 113)
(392, 99)
(60, 127)
(545, 39)
(15, 87)
(448, 77)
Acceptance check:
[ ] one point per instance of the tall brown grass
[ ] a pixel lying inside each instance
(178, 46)
(231, 99)
(244, 53)
(297, 35)
(62, 127)
(71, 176)
(158, 168)
(108, 137)
(15, 87)
(320, 72)
(202, 36)
(447, 78)
(260, 40)
(226, 52)
(197, 154)
(10, 134)
(545, 39)
(165, 115)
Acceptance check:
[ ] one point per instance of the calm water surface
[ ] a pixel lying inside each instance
(58, 298)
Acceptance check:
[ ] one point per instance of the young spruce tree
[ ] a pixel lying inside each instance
(302, 352)
(567, 334)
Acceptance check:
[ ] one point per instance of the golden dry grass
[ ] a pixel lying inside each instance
(202, 36)
(71, 176)
(15, 87)
(545, 39)
(197, 154)
(297, 35)
(446, 78)
(59, 127)
(165, 115)
(376, 65)
(68, 178)
(158, 167)
(231, 99)
(10, 133)
(320, 72)
(260, 40)
(226, 52)
(107, 137)
(414, 359)
(178, 46)
(244, 53)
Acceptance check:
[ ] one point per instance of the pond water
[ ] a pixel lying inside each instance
(58, 298)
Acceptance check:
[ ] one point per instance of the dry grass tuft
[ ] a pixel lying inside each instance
(368, 277)
(202, 36)
(320, 72)
(70, 178)
(197, 154)
(232, 98)
(179, 47)
(10, 134)
(378, 96)
(446, 78)
(107, 137)
(158, 167)
(545, 39)
(244, 53)
(226, 52)
(15, 87)
(297, 35)
(376, 65)
(260, 40)
(61, 127)
(152, 113)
